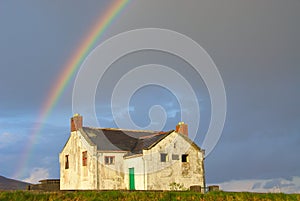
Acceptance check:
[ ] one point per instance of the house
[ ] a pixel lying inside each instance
(108, 158)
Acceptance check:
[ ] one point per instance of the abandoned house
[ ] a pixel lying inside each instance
(108, 158)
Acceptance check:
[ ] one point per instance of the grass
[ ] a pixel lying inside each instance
(142, 196)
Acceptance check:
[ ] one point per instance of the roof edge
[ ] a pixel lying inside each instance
(111, 151)
(132, 156)
(155, 143)
(86, 137)
(122, 129)
(190, 141)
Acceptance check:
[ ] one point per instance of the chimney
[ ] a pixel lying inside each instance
(76, 122)
(182, 128)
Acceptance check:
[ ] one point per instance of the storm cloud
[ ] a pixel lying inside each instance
(254, 44)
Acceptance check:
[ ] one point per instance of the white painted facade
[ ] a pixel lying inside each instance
(152, 174)
(77, 176)
(101, 169)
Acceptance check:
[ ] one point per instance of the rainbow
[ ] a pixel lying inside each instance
(68, 72)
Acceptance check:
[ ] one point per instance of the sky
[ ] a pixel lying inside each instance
(253, 44)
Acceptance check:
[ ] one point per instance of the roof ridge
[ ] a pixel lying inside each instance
(122, 129)
(155, 134)
(165, 135)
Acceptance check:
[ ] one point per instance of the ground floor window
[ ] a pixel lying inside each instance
(66, 161)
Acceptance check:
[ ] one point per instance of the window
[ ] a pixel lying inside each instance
(109, 160)
(163, 157)
(175, 157)
(66, 161)
(84, 158)
(184, 158)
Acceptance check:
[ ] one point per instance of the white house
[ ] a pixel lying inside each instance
(108, 158)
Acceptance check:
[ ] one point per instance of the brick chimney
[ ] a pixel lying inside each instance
(76, 122)
(182, 128)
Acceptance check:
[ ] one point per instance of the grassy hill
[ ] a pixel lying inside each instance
(11, 184)
(142, 196)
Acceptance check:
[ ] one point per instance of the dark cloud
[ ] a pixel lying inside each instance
(258, 157)
(255, 46)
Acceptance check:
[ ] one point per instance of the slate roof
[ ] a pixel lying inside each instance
(149, 141)
(132, 141)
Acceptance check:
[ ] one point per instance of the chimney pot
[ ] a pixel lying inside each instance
(76, 122)
(182, 128)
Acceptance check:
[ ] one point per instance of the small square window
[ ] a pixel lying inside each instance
(163, 157)
(184, 158)
(175, 157)
(109, 160)
(66, 161)
(84, 158)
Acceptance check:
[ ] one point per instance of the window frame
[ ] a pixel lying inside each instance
(84, 158)
(163, 157)
(109, 160)
(67, 164)
(184, 158)
(175, 157)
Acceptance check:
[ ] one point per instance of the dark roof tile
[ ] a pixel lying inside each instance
(122, 140)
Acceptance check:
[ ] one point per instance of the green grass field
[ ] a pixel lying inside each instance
(142, 195)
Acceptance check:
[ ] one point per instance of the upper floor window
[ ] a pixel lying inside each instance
(184, 158)
(84, 158)
(109, 160)
(66, 161)
(163, 157)
(175, 157)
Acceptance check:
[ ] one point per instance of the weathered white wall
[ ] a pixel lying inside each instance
(111, 176)
(78, 176)
(150, 172)
(136, 162)
(161, 174)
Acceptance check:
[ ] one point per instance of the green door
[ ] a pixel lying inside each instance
(131, 179)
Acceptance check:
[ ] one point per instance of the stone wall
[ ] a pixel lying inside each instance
(183, 165)
(111, 175)
(75, 175)
(173, 160)
(46, 185)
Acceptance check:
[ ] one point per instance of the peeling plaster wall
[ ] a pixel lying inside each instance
(149, 172)
(161, 174)
(111, 176)
(78, 176)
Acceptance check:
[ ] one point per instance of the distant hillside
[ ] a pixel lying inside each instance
(11, 184)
